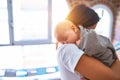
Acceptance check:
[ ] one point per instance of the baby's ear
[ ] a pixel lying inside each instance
(74, 28)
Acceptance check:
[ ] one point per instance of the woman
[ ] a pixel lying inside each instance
(74, 63)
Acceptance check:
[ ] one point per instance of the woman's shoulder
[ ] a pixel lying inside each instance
(69, 49)
(70, 45)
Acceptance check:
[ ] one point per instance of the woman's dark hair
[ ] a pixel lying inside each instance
(83, 15)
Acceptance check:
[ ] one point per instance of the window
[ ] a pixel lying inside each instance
(25, 22)
(104, 26)
(60, 10)
(30, 18)
(4, 28)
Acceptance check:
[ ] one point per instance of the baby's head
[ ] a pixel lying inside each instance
(66, 32)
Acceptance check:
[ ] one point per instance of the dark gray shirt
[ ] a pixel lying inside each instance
(97, 46)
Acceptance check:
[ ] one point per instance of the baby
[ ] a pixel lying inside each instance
(88, 40)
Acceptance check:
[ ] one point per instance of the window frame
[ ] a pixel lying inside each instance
(27, 42)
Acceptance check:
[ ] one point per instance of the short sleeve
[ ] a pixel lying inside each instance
(69, 55)
(91, 40)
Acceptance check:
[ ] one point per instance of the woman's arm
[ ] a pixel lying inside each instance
(94, 69)
(116, 67)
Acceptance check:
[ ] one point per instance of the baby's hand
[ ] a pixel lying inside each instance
(57, 44)
(84, 78)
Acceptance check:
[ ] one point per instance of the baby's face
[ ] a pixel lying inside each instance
(70, 36)
(67, 32)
